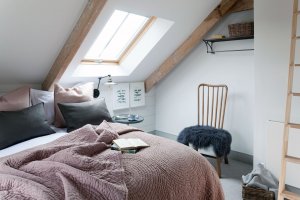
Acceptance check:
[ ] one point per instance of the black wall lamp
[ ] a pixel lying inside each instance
(109, 82)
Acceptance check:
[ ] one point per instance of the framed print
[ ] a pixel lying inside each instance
(137, 94)
(121, 96)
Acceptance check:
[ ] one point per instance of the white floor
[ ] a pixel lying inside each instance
(231, 178)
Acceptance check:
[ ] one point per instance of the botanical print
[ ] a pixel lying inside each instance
(121, 96)
(127, 95)
(137, 94)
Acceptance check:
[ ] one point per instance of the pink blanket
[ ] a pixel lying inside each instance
(80, 166)
(167, 170)
(72, 167)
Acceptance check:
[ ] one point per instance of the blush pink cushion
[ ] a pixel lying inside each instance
(76, 94)
(15, 100)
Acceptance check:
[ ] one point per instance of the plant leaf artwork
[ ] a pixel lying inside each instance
(137, 94)
(121, 96)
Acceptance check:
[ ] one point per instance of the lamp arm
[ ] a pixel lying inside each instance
(100, 80)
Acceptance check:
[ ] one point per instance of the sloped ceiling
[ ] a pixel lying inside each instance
(187, 15)
(33, 32)
(31, 35)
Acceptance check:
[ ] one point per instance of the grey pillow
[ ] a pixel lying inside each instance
(19, 126)
(77, 115)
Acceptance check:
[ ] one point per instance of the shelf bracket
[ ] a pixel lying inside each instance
(209, 46)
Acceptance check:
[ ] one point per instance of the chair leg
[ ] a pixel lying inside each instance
(226, 159)
(218, 167)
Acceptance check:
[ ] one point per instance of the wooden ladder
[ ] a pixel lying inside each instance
(283, 193)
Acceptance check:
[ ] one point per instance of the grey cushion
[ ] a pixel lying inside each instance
(18, 126)
(77, 115)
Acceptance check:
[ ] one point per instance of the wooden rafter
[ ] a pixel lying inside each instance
(242, 5)
(81, 29)
(225, 7)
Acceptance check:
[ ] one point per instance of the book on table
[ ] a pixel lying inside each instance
(130, 143)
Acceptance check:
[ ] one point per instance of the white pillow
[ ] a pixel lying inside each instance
(46, 97)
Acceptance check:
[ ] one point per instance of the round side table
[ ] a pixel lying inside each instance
(128, 119)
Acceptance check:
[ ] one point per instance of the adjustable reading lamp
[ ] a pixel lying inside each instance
(109, 82)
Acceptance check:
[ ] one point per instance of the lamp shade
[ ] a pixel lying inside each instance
(109, 81)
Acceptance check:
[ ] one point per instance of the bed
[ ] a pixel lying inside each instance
(80, 165)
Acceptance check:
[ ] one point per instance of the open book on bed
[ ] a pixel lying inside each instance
(130, 143)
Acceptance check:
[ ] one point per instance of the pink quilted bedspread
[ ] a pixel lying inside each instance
(80, 165)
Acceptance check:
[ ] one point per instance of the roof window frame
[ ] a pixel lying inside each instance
(127, 49)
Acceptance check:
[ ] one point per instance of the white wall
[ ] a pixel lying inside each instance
(147, 111)
(4, 88)
(176, 95)
(273, 153)
(272, 43)
(32, 35)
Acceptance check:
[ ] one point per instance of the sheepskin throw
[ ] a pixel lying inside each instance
(204, 136)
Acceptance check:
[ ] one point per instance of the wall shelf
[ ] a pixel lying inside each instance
(210, 42)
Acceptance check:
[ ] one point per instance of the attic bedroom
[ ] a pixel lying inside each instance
(107, 99)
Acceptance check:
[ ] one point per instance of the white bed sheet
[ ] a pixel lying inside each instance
(33, 142)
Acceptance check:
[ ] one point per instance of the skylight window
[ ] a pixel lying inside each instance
(117, 38)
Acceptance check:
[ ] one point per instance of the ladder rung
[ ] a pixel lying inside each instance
(298, 12)
(297, 37)
(292, 159)
(290, 195)
(291, 125)
(297, 65)
(295, 94)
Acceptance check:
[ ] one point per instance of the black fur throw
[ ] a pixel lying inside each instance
(203, 136)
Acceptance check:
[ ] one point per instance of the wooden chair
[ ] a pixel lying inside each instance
(212, 101)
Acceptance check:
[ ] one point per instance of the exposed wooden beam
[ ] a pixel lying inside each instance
(225, 7)
(81, 29)
(242, 5)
